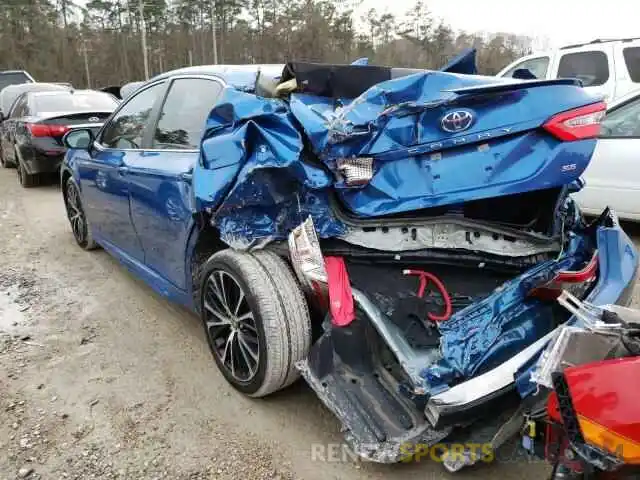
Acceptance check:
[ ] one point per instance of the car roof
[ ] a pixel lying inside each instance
(242, 77)
(10, 93)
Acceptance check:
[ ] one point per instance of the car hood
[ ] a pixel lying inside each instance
(266, 164)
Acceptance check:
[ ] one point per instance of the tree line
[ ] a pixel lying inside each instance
(99, 42)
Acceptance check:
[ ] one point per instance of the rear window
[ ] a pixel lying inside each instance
(536, 66)
(590, 67)
(632, 59)
(74, 102)
(13, 78)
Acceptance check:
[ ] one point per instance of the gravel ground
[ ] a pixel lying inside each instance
(100, 378)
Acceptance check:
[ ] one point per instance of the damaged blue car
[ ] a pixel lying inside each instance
(395, 236)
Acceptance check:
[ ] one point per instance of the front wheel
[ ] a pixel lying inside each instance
(256, 320)
(77, 218)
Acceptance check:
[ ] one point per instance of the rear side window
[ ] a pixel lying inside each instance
(536, 66)
(590, 67)
(632, 59)
(184, 113)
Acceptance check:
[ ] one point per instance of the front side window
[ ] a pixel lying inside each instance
(623, 122)
(590, 67)
(537, 66)
(184, 113)
(126, 129)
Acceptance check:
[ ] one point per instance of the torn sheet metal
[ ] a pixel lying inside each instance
(252, 170)
(447, 236)
(489, 332)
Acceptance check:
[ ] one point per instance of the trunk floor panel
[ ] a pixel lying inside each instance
(396, 294)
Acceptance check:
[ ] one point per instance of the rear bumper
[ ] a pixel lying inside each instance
(38, 161)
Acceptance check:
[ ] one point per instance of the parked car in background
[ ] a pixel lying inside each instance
(8, 95)
(613, 176)
(128, 88)
(427, 235)
(607, 67)
(14, 77)
(31, 136)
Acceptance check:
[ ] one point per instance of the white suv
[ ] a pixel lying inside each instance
(608, 67)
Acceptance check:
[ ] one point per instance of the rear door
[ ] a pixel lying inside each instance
(160, 178)
(613, 176)
(593, 65)
(10, 126)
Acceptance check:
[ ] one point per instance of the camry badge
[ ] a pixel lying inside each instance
(457, 121)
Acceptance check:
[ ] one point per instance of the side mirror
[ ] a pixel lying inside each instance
(1, 116)
(81, 138)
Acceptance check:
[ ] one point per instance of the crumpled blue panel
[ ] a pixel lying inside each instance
(465, 63)
(417, 163)
(252, 169)
(487, 333)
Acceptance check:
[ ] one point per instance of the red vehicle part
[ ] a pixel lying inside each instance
(425, 277)
(605, 401)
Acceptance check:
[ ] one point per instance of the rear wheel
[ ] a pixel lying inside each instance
(256, 320)
(26, 180)
(77, 218)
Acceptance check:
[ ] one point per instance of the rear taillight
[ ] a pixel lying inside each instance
(577, 124)
(44, 130)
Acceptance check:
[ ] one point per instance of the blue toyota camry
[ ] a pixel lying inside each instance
(397, 237)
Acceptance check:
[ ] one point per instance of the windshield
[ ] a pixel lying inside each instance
(13, 78)
(74, 102)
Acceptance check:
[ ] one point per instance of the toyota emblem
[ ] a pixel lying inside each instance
(94, 119)
(457, 121)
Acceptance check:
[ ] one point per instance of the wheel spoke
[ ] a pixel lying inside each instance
(246, 348)
(222, 320)
(239, 304)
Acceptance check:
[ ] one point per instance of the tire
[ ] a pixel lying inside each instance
(25, 179)
(4, 163)
(271, 315)
(295, 306)
(77, 217)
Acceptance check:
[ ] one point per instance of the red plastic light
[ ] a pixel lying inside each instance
(44, 130)
(578, 124)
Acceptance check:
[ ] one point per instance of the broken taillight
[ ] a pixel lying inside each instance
(576, 282)
(355, 171)
(577, 124)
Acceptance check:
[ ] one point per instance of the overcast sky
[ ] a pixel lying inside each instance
(562, 21)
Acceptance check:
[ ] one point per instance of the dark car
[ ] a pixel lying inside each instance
(426, 216)
(14, 77)
(31, 137)
(9, 94)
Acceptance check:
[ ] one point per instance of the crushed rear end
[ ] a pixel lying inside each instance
(370, 179)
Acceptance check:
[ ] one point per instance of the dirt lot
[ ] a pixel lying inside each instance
(101, 378)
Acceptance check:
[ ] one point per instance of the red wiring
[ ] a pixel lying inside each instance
(424, 278)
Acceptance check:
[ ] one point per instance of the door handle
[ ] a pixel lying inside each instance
(186, 177)
(123, 170)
